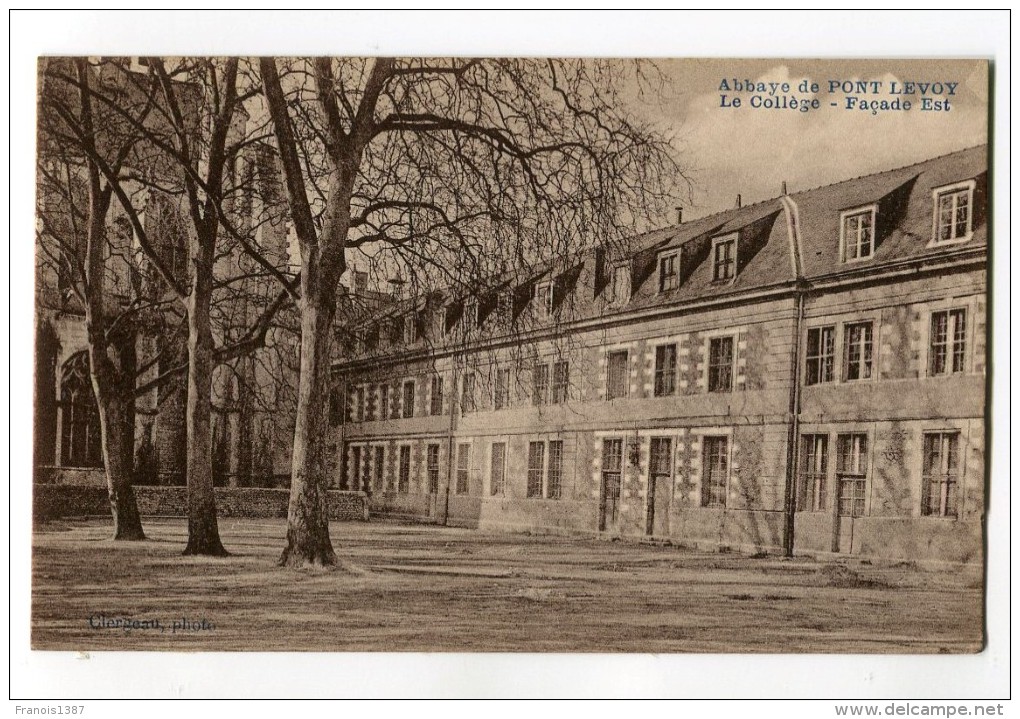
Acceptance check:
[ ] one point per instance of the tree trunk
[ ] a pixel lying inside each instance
(307, 517)
(203, 531)
(117, 435)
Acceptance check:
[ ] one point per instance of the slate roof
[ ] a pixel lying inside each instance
(905, 208)
(904, 221)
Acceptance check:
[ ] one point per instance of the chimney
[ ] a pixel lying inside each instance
(784, 188)
(679, 214)
(360, 282)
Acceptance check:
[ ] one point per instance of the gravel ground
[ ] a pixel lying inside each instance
(423, 588)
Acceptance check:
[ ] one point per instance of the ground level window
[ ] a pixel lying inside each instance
(379, 467)
(852, 473)
(463, 462)
(497, 472)
(404, 481)
(814, 460)
(355, 473)
(432, 467)
(660, 459)
(941, 474)
(536, 467)
(554, 477)
(612, 478)
(715, 465)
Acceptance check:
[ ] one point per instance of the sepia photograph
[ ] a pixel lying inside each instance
(500, 354)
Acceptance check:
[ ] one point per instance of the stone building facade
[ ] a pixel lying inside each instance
(805, 373)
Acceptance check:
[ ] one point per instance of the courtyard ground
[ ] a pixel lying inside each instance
(426, 588)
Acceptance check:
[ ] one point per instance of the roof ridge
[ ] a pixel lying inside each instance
(890, 170)
(817, 187)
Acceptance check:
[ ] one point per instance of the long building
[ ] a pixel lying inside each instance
(805, 374)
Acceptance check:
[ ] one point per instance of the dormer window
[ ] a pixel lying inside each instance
(544, 299)
(410, 329)
(619, 291)
(953, 213)
(473, 313)
(857, 233)
(724, 258)
(669, 277)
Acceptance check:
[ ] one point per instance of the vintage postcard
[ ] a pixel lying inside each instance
(409, 354)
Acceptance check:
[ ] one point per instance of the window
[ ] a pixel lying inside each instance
(432, 467)
(948, 342)
(540, 381)
(370, 404)
(821, 355)
(953, 213)
(554, 481)
(463, 462)
(384, 400)
(660, 459)
(852, 473)
(715, 465)
(858, 354)
(620, 289)
(472, 313)
(612, 478)
(858, 234)
(395, 404)
(80, 444)
(501, 392)
(497, 470)
(408, 399)
(404, 476)
(544, 299)
(665, 370)
(410, 329)
(720, 364)
(724, 259)
(436, 396)
(814, 461)
(669, 278)
(467, 393)
(379, 467)
(355, 472)
(940, 474)
(336, 406)
(616, 376)
(536, 467)
(561, 382)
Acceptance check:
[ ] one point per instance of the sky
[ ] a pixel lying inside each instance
(752, 151)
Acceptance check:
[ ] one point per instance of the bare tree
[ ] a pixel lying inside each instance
(469, 167)
(185, 143)
(74, 206)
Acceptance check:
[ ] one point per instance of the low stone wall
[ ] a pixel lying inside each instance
(54, 501)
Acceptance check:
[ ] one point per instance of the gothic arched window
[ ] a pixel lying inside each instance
(79, 418)
(166, 228)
